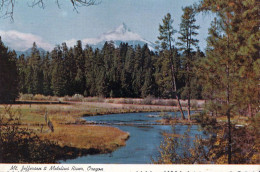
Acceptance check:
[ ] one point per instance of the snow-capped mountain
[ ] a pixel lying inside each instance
(120, 34)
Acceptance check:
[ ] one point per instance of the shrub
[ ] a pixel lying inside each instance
(26, 96)
(77, 97)
(148, 100)
(194, 104)
(93, 99)
(40, 97)
(129, 101)
(119, 101)
(54, 98)
(171, 102)
(110, 101)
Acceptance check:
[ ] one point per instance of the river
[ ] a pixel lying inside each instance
(143, 144)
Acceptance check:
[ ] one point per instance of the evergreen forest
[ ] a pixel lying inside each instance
(125, 71)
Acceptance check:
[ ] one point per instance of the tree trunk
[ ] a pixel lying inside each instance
(174, 89)
(228, 117)
(179, 106)
(228, 102)
(229, 138)
(189, 91)
(189, 115)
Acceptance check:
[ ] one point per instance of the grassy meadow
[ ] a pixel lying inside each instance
(70, 130)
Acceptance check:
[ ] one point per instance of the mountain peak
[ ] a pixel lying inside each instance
(122, 28)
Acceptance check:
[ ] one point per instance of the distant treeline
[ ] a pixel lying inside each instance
(125, 71)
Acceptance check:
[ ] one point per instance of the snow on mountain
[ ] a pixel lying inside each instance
(120, 34)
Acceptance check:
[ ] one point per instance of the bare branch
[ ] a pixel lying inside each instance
(7, 9)
(80, 3)
(7, 6)
(38, 3)
(58, 4)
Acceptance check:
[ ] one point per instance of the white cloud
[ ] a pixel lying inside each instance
(71, 42)
(22, 41)
(89, 41)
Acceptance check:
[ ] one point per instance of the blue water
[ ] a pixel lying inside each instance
(144, 140)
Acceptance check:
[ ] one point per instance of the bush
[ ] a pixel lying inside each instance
(207, 122)
(148, 100)
(93, 99)
(172, 102)
(194, 104)
(77, 97)
(109, 101)
(54, 98)
(119, 101)
(129, 101)
(26, 97)
(40, 97)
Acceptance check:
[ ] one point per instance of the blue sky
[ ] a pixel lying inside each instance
(52, 25)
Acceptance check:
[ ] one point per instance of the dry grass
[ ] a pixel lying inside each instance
(102, 138)
(67, 130)
(149, 100)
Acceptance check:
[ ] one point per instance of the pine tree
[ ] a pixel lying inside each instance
(89, 71)
(70, 70)
(196, 86)
(137, 72)
(46, 67)
(37, 76)
(108, 55)
(80, 80)
(186, 43)
(128, 69)
(148, 87)
(116, 70)
(8, 75)
(21, 66)
(230, 68)
(165, 42)
(58, 81)
(28, 81)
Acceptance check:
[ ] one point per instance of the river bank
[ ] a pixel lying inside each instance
(72, 135)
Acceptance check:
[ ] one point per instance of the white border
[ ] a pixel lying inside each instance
(127, 168)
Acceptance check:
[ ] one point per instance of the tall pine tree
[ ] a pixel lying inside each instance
(165, 42)
(232, 56)
(8, 75)
(188, 30)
